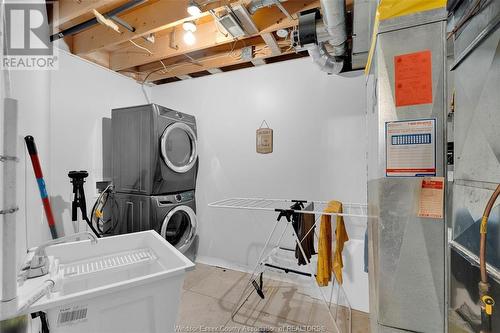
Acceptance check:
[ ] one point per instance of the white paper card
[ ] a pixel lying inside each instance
(411, 148)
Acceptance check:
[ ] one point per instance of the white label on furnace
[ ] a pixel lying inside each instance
(411, 148)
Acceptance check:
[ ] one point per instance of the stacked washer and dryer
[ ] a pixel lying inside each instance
(155, 164)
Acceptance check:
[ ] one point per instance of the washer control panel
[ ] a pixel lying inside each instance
(184, 196)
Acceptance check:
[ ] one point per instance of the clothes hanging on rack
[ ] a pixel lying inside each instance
(324, 271)
(327, 265)
(271, 259)
(303, 224)
(341, 237)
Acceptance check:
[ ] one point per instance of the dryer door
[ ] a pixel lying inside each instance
(179, 227)
(179, 147)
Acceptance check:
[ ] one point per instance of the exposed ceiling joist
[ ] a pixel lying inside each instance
(98, 57)
(207, 35)
(147, 19)
(70, 10)
(229, 49)
(270, 19)
(167, 45)
(169, 58)
(219, 59)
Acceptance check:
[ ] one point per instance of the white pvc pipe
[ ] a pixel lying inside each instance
(9, 282)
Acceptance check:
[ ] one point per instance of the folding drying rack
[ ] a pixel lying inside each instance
(265, 261)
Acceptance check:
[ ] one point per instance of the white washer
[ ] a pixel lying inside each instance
(173, 216)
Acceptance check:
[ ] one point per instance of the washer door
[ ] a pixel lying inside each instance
(179, 147)
(179, 227)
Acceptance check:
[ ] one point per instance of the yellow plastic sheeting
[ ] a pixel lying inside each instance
(388, 9)
(393, 8)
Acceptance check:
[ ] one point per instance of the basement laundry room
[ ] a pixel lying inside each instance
(249, 166)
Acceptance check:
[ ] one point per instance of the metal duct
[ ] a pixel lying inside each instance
(255, 5)
(334, 19)
(326, 62)
(334, 23)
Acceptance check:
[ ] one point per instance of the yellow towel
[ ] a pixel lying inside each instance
(324, 272)
(325, 263)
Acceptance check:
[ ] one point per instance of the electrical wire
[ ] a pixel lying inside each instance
(475, 9)
(194, 61)
(89, 223)
(112, 228)
(114, 219)
(141, 47)
(168, 69)
(165, 67)
(157, 70)
(101, 200)
(230, 53)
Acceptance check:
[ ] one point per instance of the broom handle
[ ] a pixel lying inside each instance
(30, 144)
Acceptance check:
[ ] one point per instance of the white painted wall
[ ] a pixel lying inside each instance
(319, 153)
(63, 110)
(81, 95)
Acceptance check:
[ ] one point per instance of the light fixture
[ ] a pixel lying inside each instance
(282, 33)
(189, 29)
(189, 38)
(193, 9)
(189, 26)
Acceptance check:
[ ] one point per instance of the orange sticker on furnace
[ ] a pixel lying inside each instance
(431, 198)
(413, 78)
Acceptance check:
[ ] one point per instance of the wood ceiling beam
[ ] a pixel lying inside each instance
(169, 45)
(146, 19)
(229, 48)
(98, 57)
(69, 10)
(207, 35)
(216, 60)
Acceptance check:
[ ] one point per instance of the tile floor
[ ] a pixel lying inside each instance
(210, 293)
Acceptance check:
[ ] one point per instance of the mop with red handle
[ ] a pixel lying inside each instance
(30, 144)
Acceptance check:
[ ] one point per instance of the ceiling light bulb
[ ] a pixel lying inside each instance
(189, 26)
(193, 9)
(189, 38)
(282, 33)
